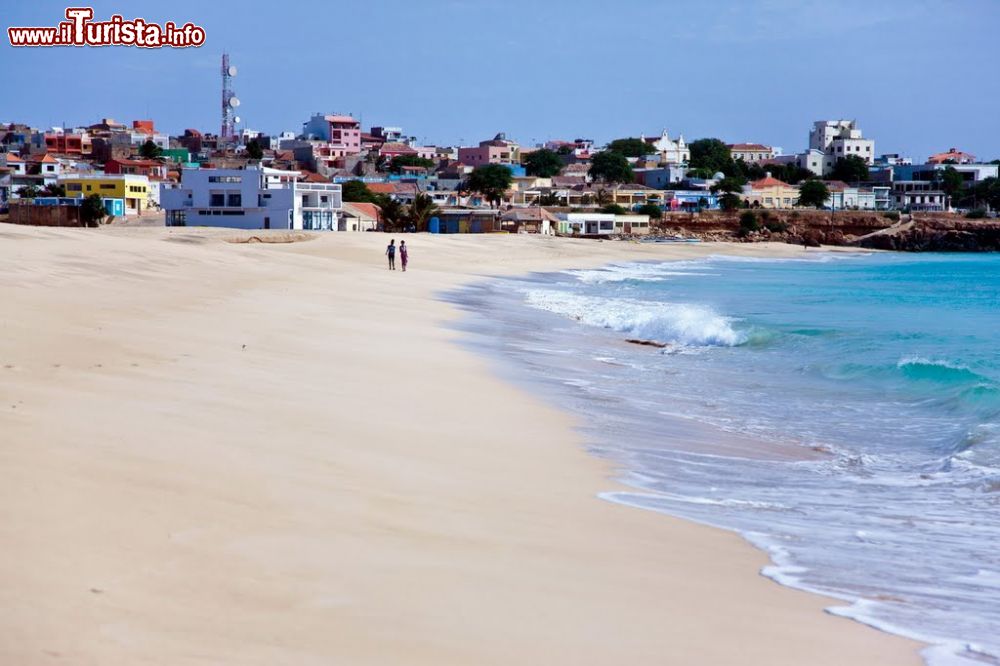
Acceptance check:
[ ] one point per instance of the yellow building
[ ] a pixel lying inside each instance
(770, 192)
(135, 190)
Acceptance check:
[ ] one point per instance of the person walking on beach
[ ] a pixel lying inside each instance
(391, 253)
(404, 254)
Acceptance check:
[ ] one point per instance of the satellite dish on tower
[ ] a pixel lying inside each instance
(232, 70)
(234, 101)
(237, 120)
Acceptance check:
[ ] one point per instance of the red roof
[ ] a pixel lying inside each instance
(749, 146)
(368, 209)
(951, 154)
(836, 185)
(312, 177)
(12, 157)
(381, 188)
(769, 181)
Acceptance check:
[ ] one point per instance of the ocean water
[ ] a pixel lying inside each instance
(842, 412)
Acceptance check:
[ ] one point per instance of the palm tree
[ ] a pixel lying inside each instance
(392, 212)
(421, 210)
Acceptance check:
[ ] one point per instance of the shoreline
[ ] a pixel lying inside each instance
(177, 497)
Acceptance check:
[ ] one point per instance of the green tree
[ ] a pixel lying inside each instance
(393, 212)
(29, 192)
(150, 150)
(611, 167)
(728, 184)
(850, 169)
(421, 210)
(548, 199)
(356, 191)
(490, 180)
(92, 210)
(565, 150)
(543, 163)
(631, 147)
(254, 151)
(54, 190)
(748, 223)
(614, 209)
(813, 193)
(651, 209)
(951, 182)
(711, 154)
(400, 161)
(730, 201)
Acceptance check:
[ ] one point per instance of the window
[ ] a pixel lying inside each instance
(225, 179)
(235, 200)
(106, 186)
(768, 200)
(74, 187)
(217, 200)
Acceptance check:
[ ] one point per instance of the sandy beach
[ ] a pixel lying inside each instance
(276, 453)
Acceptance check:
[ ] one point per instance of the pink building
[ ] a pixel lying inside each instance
(342, 134)
(498, 150)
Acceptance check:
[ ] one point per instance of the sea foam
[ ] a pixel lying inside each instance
(668, 323)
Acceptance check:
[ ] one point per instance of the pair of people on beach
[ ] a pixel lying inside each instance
(404, 254)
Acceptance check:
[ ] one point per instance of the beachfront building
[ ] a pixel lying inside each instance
(498, 150)
(690, 200)
(769, 192)
(841, 138)
(133, 189)
(751, 153)
(846, 197)
(358, 216)
(918, 195)
(660, 176)
(970, 172)
(601, 224)
(670, 151)
(252, 198)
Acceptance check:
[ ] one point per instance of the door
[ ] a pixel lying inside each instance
(267, 223)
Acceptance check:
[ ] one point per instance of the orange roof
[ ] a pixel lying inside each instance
(951, 154)
(12, 157)
(769, 181)
(312, 177)
(138, 163)
(367, 209)
(381, 188)
(836, 185)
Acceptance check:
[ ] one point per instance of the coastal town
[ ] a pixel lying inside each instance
(337, 175)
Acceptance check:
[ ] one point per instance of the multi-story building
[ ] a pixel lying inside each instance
(918, 195)
(144, 130)
(342, 134)
(133, 189)
(67, 143)
(498, 150)
(952, 156)
(841, 138)
(252, 198)
(150, 168)
(751, 153)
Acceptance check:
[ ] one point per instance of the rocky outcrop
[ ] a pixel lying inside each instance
(928, 232)
(936, 235)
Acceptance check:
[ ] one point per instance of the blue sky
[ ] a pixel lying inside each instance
(916, 75)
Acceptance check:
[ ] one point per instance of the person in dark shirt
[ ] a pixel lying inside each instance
(391, 253)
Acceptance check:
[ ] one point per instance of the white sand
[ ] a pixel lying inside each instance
(214, 453)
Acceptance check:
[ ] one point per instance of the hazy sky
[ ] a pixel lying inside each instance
(918, 76)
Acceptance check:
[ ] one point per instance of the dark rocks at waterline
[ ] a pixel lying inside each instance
(936, 236)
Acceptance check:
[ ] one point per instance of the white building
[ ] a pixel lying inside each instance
(670, 151)
(602, 224)
(845, 197)
(841, 138)
(260, 198)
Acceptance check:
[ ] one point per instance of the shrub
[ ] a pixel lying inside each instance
(976, 214)
(748, 223)
(775, 225)
(892, 215)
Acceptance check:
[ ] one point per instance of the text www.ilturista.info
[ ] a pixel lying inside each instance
(79, 30)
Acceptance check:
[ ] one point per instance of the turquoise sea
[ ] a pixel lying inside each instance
(840, 411)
